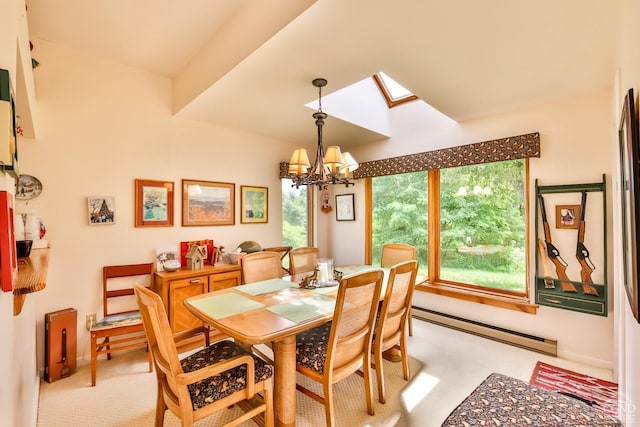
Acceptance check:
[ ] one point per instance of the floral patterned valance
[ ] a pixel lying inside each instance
(511, 148)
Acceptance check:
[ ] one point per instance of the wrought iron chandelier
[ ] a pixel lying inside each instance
(330, 167)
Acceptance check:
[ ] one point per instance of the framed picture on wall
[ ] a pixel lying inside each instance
(153, 203)
(254, 204)
(629, 189)
(208, 203)
(101, 210)
(344, 207)
(567, 216)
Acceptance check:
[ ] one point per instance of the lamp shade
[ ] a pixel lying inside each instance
(333, 160)
(350, 163)
(299, 162)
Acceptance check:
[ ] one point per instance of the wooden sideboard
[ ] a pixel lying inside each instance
(175, 287)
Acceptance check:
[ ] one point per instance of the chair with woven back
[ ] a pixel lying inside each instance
(335, 350)
(258, 266)
(390, 331)
(214, 378)
(121, 326)
(392, 254)
(302, 259)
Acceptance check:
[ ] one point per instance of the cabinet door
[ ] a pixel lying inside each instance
(224, 280)
(179, 317)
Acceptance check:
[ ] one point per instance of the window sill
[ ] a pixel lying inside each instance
(510, 303)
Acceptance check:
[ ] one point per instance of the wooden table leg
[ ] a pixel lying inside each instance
(284, 396)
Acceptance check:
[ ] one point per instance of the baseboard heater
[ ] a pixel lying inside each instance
(518, 339)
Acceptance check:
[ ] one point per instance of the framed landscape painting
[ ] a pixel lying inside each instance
(208, 203)
(153, 203)
(254, 204)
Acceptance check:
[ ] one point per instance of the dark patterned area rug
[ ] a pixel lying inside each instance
(603, 394)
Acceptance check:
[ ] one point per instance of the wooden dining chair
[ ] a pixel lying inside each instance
(121, 326)
(218, 376)
(303, 259)
(259, 266)
(284, 254)
(335, 350)
(393, 253)
(390, 331)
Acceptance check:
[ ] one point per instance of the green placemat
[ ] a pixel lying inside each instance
(265, 286)
(305, 309)
(225, 305)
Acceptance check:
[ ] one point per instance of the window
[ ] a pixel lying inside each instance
(393, 92)
(295, 215)
(478, 241)
(482, 225)
(399, 212)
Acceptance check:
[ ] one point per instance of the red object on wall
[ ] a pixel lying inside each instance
(8, 260)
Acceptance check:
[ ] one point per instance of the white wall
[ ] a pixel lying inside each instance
(103, 125)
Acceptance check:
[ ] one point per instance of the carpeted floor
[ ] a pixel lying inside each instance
(603, 393)
(125, 396)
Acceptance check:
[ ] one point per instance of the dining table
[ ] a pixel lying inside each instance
(273, 311)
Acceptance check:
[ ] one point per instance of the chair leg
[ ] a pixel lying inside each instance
(410, 321)
(379, 374)
(328, 404)
(366, 367)
(150, 358)
(94, 357)
(405, 358)
(160, 408)
(267, 396)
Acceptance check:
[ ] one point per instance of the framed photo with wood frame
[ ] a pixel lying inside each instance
(344, 207)
(254, 204)
(630, 194)
(153, 203)
(567, 216)
(208, 203)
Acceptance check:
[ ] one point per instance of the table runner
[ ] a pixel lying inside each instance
(305, 309)
(225, 305)
(265, 286)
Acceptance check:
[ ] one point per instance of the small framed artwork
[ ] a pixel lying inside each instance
(208, 203)
(101, 210)
(567, 216)
(344, 207)
(254, 204)
(154, 203)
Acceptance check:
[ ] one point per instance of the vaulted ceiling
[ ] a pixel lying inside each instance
(249, 64)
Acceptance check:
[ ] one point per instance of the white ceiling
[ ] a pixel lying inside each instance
(249, 64)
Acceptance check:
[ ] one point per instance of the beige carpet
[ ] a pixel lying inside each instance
(125, 396)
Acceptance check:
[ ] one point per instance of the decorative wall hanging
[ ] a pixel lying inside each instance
(208, 203)
(28, 187)
(344, 207)
(102, 210)
(254, 204)
(153, 203)
(630, 193)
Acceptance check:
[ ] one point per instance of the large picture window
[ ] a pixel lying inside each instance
(478, 240)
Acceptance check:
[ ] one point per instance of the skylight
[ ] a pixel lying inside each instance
(394, 93)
